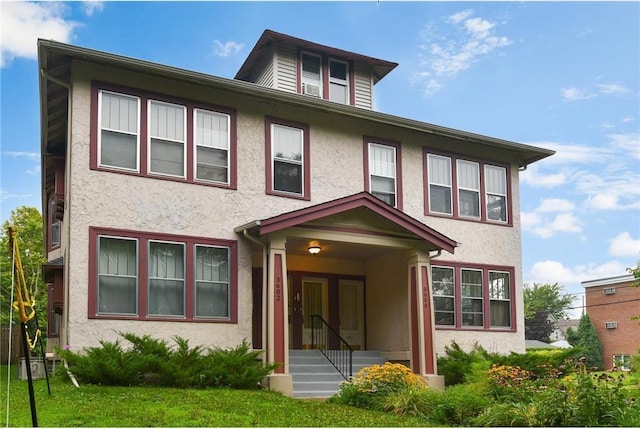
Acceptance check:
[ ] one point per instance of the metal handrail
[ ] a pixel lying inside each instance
(342, 357)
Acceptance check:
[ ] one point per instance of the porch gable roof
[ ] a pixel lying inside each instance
(352, 202)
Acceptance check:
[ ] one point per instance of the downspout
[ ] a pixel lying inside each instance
(265, 269)
(64, 335)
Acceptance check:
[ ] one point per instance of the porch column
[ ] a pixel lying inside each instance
(423, 353)
(277, 317)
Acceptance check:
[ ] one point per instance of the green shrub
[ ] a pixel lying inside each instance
(461, 404)
(541, 362)
(457, 366)
(411, 401)
(370, 387)
(152, 362)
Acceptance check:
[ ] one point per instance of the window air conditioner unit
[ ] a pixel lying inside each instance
(611, 325)
(309, 89)
(609, 290)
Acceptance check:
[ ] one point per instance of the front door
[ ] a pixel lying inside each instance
(351, 296)
(314, 302)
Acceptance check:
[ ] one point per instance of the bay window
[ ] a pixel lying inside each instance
(471, 296)
(159, 276)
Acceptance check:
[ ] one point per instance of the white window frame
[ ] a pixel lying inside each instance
(342, 82)
(150, 137)
(442, 185)
(136, 277)
(394, 169)
(101, 129)
(624, 359)
(473, 298)
(196, 145)
(468, 189)
(489, 192)
(305, 80)
(196, 281)
(149, 278)
(450, 297)
(275, 159)
(498, 299)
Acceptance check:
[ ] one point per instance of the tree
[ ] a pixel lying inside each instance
(636, 275)
(538, 327)
(546, 297)
(30, 237)
(586, 339)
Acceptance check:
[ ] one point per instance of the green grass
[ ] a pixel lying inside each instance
(99, 406)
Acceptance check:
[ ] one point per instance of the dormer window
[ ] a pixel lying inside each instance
(338, 81)
(325, 77)
(311, 75)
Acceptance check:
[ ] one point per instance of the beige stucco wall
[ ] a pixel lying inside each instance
(104, 199)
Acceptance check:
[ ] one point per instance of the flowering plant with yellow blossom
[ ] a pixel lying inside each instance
(386, 377)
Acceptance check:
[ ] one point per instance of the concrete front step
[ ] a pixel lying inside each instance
(314, 376)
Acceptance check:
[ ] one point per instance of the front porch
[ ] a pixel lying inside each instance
(368, 280)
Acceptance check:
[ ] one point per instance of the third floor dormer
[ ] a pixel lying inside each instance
(295, 65)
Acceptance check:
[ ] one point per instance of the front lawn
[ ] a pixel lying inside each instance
(102, 406)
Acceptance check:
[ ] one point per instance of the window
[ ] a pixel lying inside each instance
(161, 137)
(439, 184)
(160, 276)
(382, 171)
(338, 81)
(476, 297)
(481, 190)
(468, 189)
(311, 75)
(500, 299)
(325, 77)
(55, 224)
(496, 184)
(287, 159)
(622, 362)
(212, 146)
(471, 293)
(443, 295)
(119, 140)
(167, 139)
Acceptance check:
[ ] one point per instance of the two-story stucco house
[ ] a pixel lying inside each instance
(180, 203)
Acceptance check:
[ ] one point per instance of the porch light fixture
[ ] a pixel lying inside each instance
(314, 250)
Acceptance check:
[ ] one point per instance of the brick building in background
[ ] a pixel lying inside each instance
(611, 303)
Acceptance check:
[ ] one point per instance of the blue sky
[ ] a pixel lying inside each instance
(560, 75)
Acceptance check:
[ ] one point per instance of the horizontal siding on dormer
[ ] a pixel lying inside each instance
(363, 87)
(285, 60)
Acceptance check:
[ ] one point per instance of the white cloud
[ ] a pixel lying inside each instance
(226, 49)
(89, 7)
(555, 205)
(573, 93)
(629, 143)
(24, 22)
(532, 176)
(624, 245)
(6, 195)
(543, 223)
(33, 156)
(447, 56)
(554, 271)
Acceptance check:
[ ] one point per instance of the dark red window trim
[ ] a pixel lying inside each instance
(190, 105)
(486, 302)
(454, 187)
(306, 166)
(143, 238)
(398, 147)
(324, 61)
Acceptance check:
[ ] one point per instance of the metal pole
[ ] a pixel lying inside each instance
(27, 362)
